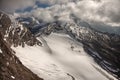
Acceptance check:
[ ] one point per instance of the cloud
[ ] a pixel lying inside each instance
(13, 5)
(111, 9)
(52, 2)
(104, 12)
(43, 14)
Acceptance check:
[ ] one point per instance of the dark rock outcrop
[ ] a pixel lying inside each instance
(103, 47)
(10, 66)
(15, 33)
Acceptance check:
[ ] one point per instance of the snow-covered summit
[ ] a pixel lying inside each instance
(102, 46)
(61, 50)
(11, 67)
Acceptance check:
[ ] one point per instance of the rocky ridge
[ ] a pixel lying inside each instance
(14, 35)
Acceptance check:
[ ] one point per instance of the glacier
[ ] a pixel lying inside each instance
(56, 60)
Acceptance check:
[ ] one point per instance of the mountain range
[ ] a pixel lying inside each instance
(32, 49)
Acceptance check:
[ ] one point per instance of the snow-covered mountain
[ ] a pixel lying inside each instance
(60, 50)
(14, 34)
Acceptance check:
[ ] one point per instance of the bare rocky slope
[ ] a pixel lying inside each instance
(13, 35)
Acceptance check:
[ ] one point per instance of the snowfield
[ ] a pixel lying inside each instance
(60, 58)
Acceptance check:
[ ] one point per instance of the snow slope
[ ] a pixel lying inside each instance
(60, 58)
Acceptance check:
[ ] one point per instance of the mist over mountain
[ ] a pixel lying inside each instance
(102, 15)
(60, 39)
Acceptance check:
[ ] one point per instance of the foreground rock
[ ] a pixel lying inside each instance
(10, 66)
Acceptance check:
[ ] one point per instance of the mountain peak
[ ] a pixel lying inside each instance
(10, 66)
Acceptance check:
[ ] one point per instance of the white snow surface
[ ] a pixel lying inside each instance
(60, 58)
(12, 77)
(0, 51)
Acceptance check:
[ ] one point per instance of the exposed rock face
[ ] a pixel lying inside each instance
(10, 66)
(103, 47)
(15, 33)
(5, 23)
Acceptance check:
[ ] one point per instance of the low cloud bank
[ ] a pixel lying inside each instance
(104, 12)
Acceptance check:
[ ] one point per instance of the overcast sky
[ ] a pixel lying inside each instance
(99, 11)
